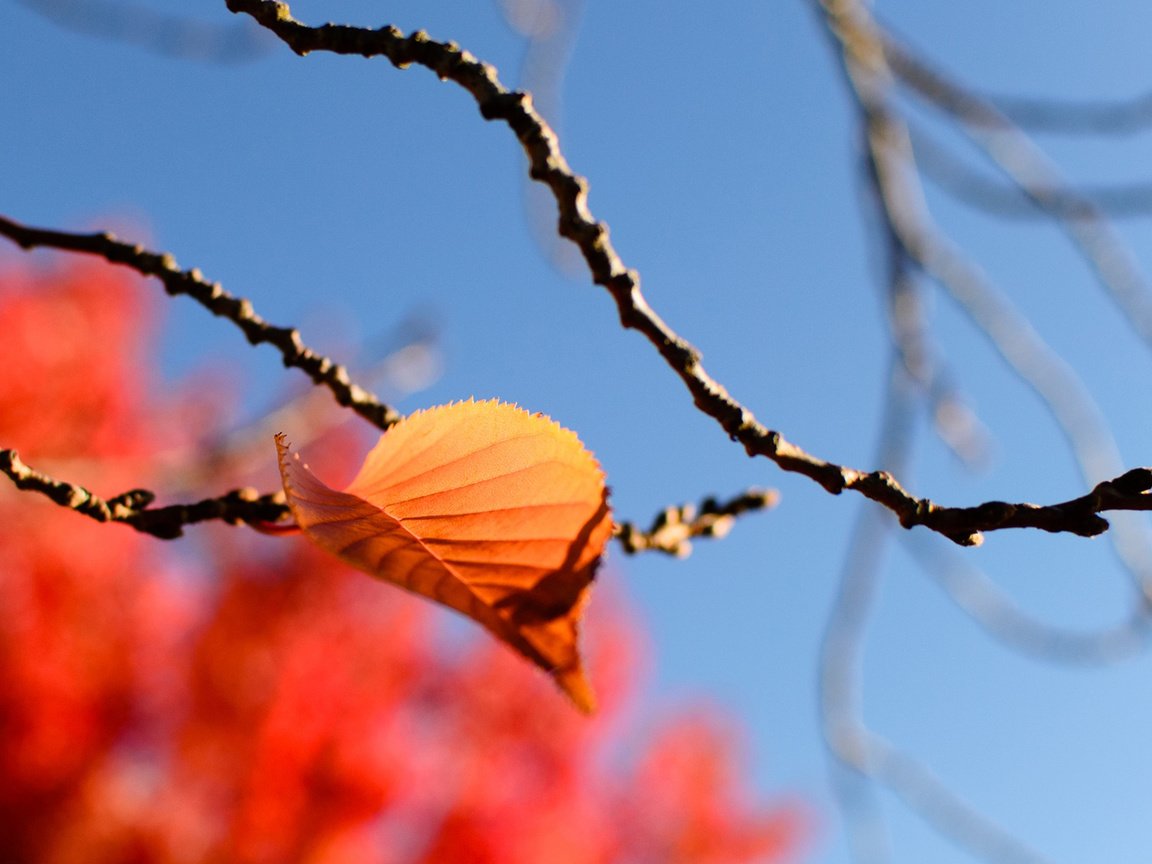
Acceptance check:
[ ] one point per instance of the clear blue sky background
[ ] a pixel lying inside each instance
(719, 140)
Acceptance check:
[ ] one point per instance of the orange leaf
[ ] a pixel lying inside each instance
(495, 512)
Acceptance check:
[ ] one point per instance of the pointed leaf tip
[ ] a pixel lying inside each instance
(484, 507)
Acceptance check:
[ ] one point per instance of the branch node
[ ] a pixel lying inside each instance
(1134, 482)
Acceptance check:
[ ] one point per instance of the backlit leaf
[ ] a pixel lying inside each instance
(493, 511)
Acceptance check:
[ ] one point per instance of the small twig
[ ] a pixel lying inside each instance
(674, 528)
(322, 370)
(670, 533)
(133, 507)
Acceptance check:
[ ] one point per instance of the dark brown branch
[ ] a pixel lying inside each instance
(322, 370)
(668, 533)
(962, 525)
(674, 528)
(548, 166)
(671, 531)
(133, 507)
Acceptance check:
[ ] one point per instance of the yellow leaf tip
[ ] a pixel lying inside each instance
(574, 684)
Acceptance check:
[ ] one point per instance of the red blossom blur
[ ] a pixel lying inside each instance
(231, 698)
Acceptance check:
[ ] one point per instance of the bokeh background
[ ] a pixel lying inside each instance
(723, 149)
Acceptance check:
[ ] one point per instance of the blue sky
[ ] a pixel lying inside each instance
(720, 143)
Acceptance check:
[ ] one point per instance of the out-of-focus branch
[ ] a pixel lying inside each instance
(322, 370)
(133, 507)
(1071, 403)
(904, 211)
(550, 28)
(963, 525)
(953, 420)
(986, 604)
(841, 649)
(411, 362)
(864, 758)
(868, 757)
(1037, 177)
(1081, 117)
(672, 531)
(921, 789)
(168, 35)
(974, 188)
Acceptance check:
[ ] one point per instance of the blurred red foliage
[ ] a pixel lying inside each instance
(248, 700)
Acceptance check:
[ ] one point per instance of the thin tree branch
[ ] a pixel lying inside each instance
(963, 525)
(323, 371)
(180, 38)
(972, 187)
(840, 682)
(1117, 117)
(1077, 117)
(238, 451)
(907, 217)
(550, 28)
(895, 182)
(670, 533)
(954, 422)
(1037, 177)
(133, 507)
(674, 528)
(923, 791)
(987, 605)
(866, 757)
(1070, 402)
